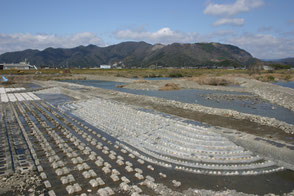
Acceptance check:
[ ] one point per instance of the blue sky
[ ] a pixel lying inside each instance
(265, 28)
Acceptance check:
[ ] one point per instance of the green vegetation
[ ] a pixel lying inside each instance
(280, 66)
(271, 78)
(175, 75)
(229, 63)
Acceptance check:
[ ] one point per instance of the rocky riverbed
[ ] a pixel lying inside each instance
(276, 94)
(21, 183)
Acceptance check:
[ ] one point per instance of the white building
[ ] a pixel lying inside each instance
(268, 68)
(105, 66)
(19, 66)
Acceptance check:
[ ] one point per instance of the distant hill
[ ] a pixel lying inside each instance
(135, 54)
(285, 61)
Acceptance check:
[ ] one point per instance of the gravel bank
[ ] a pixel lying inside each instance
(183, 83)
(276, 94)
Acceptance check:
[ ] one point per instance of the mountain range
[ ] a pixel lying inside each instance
(136, 54)
(285, 61)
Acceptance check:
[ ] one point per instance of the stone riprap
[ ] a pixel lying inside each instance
(171, 143)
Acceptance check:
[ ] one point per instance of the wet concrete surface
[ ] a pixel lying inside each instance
(277, 144)
(55, 99)
(32, 86)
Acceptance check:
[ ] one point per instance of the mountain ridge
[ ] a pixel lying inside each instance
(136, 54)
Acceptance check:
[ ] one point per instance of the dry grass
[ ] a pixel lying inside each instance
(128, 73)
(140, 81)
(119, 86)
(60, 74)
(215, 81)
(271, 77)
(17, 79)
(169, 87)
(58, 77)
(150, 73)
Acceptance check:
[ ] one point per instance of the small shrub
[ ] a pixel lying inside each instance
(271, 78)
(118, 75)
(218, 82)
(215, 81)
(140, 81)
(175, 75)
(169, 87)
(287, 77)
(120, 86)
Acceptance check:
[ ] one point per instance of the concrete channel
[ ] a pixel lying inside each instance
(77, 149)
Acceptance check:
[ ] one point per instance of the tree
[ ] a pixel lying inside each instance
(255, 68)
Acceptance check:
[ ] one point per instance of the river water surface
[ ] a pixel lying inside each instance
(199, 96)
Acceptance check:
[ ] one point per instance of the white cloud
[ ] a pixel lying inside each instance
(226, 12)
(232, 9)
(265, 46)
(229, 21)
(20, 41)
(262, 45)
(163, 35)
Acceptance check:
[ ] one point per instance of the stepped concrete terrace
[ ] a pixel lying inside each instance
(171, 143)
